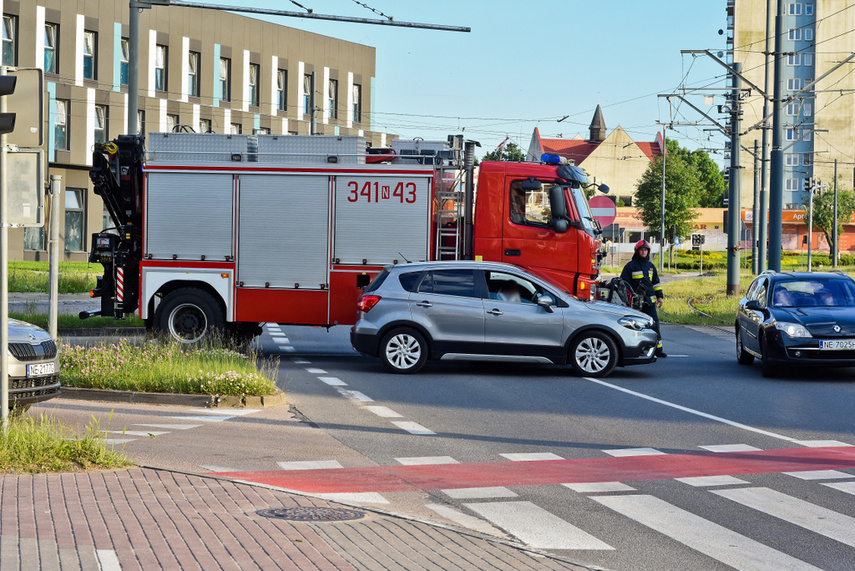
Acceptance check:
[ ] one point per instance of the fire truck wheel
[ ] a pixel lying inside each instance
(188, 315)
(593, 354)
(403, 350)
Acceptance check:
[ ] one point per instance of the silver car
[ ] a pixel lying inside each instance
(33, 365)
(486, 311)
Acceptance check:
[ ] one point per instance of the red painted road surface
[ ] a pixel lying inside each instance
(543, 472)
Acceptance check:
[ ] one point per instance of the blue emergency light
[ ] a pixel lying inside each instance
(551, 159)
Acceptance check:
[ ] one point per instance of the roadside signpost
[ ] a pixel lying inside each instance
(698, 244)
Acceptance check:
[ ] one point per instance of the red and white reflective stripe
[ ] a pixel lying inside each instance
(120, 284)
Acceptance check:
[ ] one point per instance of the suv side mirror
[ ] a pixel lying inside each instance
(753, 305)
(546, 302)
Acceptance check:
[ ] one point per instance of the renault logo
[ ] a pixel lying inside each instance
(836, 329)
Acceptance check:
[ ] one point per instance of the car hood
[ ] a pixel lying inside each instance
(614, 309)
(820, 321)
(23, 332)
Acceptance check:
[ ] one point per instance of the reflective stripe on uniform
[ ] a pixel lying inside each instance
(637, 275)
(652, 298)
(657, 287)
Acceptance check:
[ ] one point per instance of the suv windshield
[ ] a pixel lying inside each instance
(814, 292)
(589, 224)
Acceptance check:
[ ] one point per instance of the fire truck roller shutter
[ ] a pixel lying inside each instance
(381, 219)
(189, 215)
(283, 231)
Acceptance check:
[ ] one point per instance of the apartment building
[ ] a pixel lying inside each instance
(210, 70)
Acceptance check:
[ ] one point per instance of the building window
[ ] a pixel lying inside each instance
(261, 131)
(51, 36)
(282, 90)
(141, 122)
(171, 122)
(74, 230)
(332, 99)
(795, 9)
(90, 50)
(808, 59)
(357, 103)
(205, 126)
(806, 134)
(235, 128)
(225, 79)
(253, 84)
(793, 109)
(60, 126)
(307, 93)
(794, 60)
(792, 134)
(101, 130)
(124, 58)
(794, 84)
(807, 110)
(10, 27)
(792, 184)
(792, 159)
(160, 59)
(806, 160)
(808, 34)
(795, 34)
(808, 9)
(34, 238)
(193, 74)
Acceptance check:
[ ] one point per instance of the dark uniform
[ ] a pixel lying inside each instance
(642, 277)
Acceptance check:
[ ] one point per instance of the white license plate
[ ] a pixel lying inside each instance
(41, 369)
(838, 345)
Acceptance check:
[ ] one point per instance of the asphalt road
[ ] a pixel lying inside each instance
(604, 472)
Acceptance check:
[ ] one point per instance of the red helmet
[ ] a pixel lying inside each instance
(642, 244)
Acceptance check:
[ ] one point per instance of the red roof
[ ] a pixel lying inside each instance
(578, 150)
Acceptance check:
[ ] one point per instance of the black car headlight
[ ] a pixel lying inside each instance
(794, 330)
(637, 323)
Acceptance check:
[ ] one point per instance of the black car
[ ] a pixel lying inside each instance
(797, 318)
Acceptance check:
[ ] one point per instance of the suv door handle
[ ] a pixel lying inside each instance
(494, 311)
(424, 304)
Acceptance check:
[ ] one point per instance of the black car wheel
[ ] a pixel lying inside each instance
(594, 354)
(403, 350)
(742, 356)
(768, 368)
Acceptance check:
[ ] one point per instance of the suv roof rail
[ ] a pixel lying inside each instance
(770, 272)
(836, 271)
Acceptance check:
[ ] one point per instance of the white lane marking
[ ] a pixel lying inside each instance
(315, 371)
(412, 427)
(218, 468)
(288, 348)
(670, 356)
(465, 520)
(137, 432)
(848, 487)
(277, 335)
(115, 441)
(621, 452)
(700, 534)
(693, 411)
(355, 395)
(301, 362)
(821, 443)
(108, 560)
(798, 512)
(426, 460)
(530, 456)
(479, 493)
(230, 412)
(819, 475)
(709, 481)
(730, 448)
(598, 487)
(202, 418)
(309, 465)
(383, 412)
(535, 526)
(333, 381)
(357, 497)
(283, 341)
(171, 426)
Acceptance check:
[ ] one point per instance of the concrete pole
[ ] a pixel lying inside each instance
(764, 173)
(662, 203)
(4, 281)
(776, 165)
(810, 227)
(133, 67)
(835, 249)
(755, 212)
(53, 244)
(734, 205)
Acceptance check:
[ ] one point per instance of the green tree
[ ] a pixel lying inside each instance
(713, 187)
(823, 211)
(683, 188)
(508, 152)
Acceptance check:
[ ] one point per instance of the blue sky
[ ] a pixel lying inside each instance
(527, 64)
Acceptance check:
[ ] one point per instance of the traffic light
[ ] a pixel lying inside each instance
(7, 87)
(808, 183)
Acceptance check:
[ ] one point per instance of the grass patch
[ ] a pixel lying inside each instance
(74, 277)
(43, 444)
(74, 322)
(161, 367)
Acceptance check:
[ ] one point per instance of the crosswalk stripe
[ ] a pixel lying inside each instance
(333, 381)
(479, 493)
(383, 411)
(819, 475)
(709, 481)
(412, 427)
(426, 460)
(356, 395)
(309, 465)
(301, 362)
(621, 452)
(315, 371)
(821, 443)
(197, 418)
(798, 512)
(466, 520)
(535, 526)
(599, 487)
(137, 432)
(702, 535)
(530, 456)
(730, 448)
(848, 487)
(170, 426)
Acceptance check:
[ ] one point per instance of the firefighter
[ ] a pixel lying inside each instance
(641, 274)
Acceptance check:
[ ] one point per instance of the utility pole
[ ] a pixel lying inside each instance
(734, 205)
(764, 174)
(776, 164)
(755, 213)
(835, 249)
(811, 187)
(662, 203)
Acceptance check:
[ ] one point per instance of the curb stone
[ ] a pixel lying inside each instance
(207, 401)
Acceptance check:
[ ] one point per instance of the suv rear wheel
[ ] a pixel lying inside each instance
(403, 350)
(593, 354)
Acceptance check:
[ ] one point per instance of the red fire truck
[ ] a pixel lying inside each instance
(226, 232)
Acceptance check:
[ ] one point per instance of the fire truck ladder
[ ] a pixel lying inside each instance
(449, 216)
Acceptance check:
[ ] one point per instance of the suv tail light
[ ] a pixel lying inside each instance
(366, 302)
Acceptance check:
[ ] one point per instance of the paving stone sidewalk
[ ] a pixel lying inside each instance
(142, 519)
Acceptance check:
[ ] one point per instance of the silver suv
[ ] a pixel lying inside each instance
(486, 311)
(33, 365)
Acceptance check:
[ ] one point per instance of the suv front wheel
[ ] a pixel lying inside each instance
(593, 354)
(403, 350)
